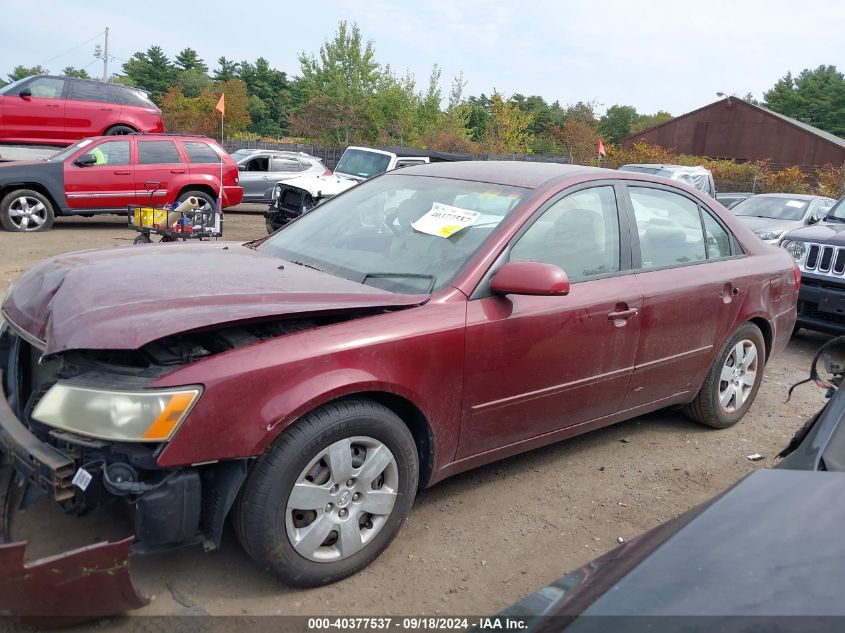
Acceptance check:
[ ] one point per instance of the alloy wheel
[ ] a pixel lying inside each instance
(738, 376)
(342, 499)
(27, 213)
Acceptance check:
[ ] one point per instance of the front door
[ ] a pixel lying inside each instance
(38, 117)
(109, 184)
(255, 178)
(693, 286)
(535, 365)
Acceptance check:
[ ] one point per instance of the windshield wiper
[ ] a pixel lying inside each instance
(834, 218)
(293, 261)
(411, 275)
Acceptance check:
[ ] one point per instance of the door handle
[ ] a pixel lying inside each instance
(623, 314)
(118, 172)
(177, 171)
(52, 105)
(107, 109)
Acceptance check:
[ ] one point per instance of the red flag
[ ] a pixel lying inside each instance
(601, 149)
(221, 104)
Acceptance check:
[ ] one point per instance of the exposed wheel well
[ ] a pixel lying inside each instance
(111, 127)
(766, 329)
(34, 186)
(203, 188)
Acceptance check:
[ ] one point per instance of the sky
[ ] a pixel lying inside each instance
(652, 54)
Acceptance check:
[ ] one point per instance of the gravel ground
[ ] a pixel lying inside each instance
(478, 541)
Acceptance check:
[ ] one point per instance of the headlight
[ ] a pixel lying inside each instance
(127, 416)
(277, 191)
(794, 248)
(768, 236)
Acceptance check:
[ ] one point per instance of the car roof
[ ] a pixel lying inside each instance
(161, 135)
(512, 173)
(274, 152)
(111, 84)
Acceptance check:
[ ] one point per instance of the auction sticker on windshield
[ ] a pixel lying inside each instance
(445, 220)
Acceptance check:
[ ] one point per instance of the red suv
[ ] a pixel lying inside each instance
(60, 110)
(106, 174)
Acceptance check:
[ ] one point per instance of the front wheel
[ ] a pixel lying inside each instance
(26, 211)
(330, 494)
(733, 380)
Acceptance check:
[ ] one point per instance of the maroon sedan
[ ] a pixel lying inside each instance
(423, 323)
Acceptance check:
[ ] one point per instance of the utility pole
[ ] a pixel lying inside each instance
(106, 57)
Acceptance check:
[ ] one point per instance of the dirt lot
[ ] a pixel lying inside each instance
(479, 541)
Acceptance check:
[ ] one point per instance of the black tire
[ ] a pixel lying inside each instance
(143, 238)
(706, 407)
(11, 203)
(272, 227)
(260, 512)
(207, 201)
(120, 130)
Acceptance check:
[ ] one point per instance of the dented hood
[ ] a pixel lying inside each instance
(123, 298)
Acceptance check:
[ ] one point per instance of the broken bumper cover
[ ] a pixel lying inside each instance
(83, 584)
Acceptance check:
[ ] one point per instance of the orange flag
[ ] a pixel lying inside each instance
(221, 104)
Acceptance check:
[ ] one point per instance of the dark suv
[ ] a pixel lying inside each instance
(50, 110)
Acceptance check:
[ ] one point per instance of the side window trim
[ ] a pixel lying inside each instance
(626, 267)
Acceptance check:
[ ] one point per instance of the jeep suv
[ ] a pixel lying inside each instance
(49, 110)
(105, 174)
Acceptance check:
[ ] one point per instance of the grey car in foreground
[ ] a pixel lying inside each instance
(767, 554)
(770, 215)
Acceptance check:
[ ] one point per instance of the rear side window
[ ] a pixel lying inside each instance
(131, 96)
(669, 227)
(47, 87)
(579, 233)
(716, 239)
(90, 91)
(157, 152)
(278, 163)
(199, 152)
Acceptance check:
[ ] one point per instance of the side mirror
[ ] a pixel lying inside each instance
(241, 167)
(818, 215)
(530, 278)
(25, 93)
(85, 160)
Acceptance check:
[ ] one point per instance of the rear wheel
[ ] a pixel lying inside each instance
(120, 130)
(330, 494)
(733, 381)
(26, 211)
(207, 203)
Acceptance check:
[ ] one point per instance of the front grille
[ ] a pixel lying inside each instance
(824, 259)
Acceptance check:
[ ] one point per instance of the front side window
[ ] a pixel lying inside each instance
(158, 152)
(111, 153)
(579, 233)
(259, 163)
(47, 87)
(669, 227)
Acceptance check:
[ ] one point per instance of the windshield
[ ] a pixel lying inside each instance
(366, 235)
(361, 163)
(12, 87)
(838, 209)
(772, 207)
(62, 154)
(241, 153)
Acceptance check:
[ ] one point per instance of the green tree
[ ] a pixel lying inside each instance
(188, 59)
(583, 112)
(478, 113)
(20, 72)
(816, 97)
(507, 128)
(271, 86)
(193, 82)
(648, 121)
(226, 69)
(617, 122)
(70, 71)
(152, 71)
(344, 76)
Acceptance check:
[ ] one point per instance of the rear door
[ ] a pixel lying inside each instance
(691, 274)
(536, 365)
(108, 185)
(159, 172)
(90, 109)
(39, 117)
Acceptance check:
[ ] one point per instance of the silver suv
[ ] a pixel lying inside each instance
(261, 169)
(698, 177)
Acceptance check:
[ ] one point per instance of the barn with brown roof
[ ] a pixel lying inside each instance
(735, 129)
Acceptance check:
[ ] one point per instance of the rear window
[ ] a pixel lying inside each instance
(199, 152)
(131, 96)
(90, 91)
(156, 152)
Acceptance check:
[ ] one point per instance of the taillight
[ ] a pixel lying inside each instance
(796, 273)
(328, 172)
